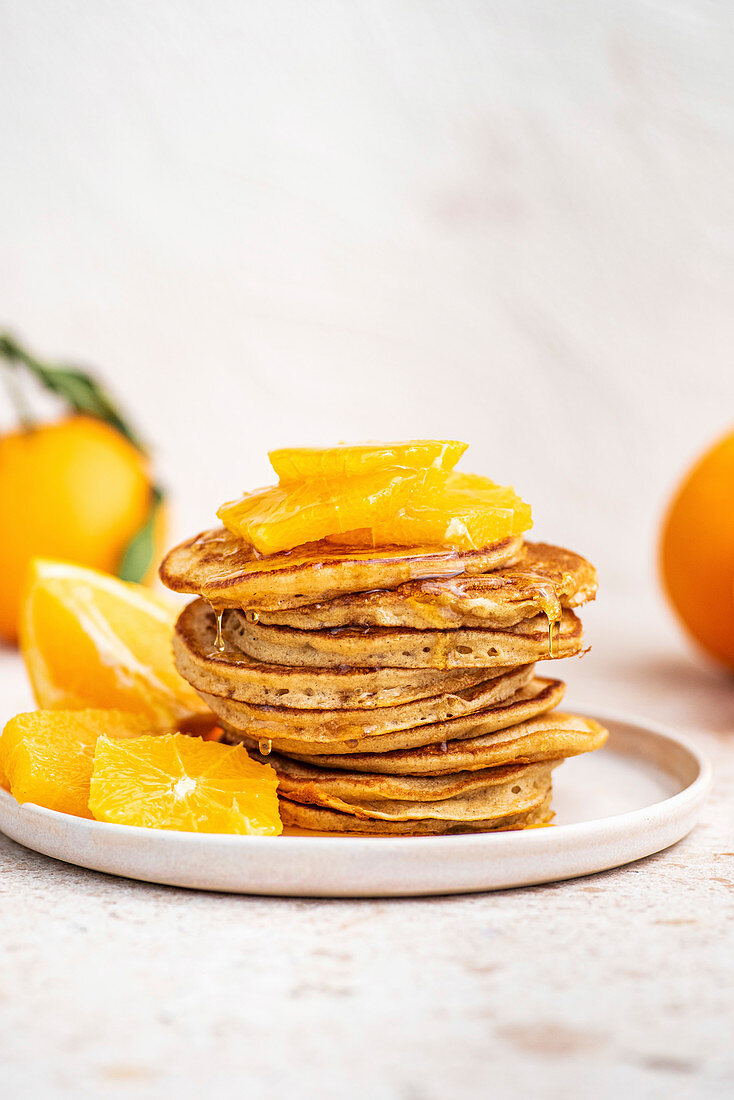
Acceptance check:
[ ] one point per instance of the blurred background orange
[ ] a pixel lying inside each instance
(697, 551)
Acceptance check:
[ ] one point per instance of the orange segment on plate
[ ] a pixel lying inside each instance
(47, 755)
(178, 782)
(90, 640)
(354, 460)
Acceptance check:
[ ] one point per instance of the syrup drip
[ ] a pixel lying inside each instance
(553, 628)
(219, 640)
(265, 746)
(352, 744)
(252, 617)
(544, 593)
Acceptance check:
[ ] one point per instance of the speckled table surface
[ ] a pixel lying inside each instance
(618, 984)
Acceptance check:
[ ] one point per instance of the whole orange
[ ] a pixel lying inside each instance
(76, 490)
(697, 551)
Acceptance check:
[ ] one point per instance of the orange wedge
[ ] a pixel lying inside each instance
(178, 782)
(354, 460)
(47, 755)
(90, 640)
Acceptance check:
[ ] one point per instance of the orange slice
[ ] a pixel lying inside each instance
(427, 508)
(281, 517)
(354, 460)
(178, 782)
(47, 755)
(465, 511)
(90, 640)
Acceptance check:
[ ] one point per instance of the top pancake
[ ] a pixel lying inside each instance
(228, 572)
(544, 579)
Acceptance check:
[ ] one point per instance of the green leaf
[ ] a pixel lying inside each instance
(138, 557)
(79, 389)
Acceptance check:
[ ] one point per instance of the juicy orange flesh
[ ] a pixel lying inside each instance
(184, 783)
(90, 640)
(386, 507)
(47, 756)
(301, 463)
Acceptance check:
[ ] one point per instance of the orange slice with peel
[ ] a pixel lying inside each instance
(47, 755)
(91, 640)
(179, 782)
(354, 460)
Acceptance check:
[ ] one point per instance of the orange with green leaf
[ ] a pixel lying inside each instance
(79, 488)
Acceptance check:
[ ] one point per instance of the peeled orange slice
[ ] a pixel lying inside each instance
(432, 507)
(465, 511)
(281, 517)
(300, 463)
(47, 755)
(178, 782)
(90, 640)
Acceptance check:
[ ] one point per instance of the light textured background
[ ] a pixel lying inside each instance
(512, 223)
(275, 222)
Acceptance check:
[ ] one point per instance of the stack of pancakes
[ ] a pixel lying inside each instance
(393, 690)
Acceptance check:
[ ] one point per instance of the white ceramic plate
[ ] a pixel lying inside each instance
(639, 794)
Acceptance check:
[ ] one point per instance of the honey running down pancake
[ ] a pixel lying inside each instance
(543, 581)
(229, 573)
(228, 673)
(553, 736)
(536, 698)
(395, 647)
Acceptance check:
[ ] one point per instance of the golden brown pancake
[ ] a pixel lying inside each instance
(553, 736)
(509, 789)
(396, 647)
(536, 698)
(332, 821)
(230, 573)
(230, 674)
(543, 580)
(346, 723)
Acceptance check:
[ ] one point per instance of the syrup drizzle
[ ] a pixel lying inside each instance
(543, 592)
(265, 746)
(219, 640)
(252, 617)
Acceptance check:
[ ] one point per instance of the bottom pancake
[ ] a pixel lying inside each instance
(315, 818)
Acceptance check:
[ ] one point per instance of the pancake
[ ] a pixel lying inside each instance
(551, 737)
(353, 722)
(332, 821)
(544, 579)
(326, 787)
(394, 647)
(230, 573)
(536, 698)
(493, 792)
(230, 675)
